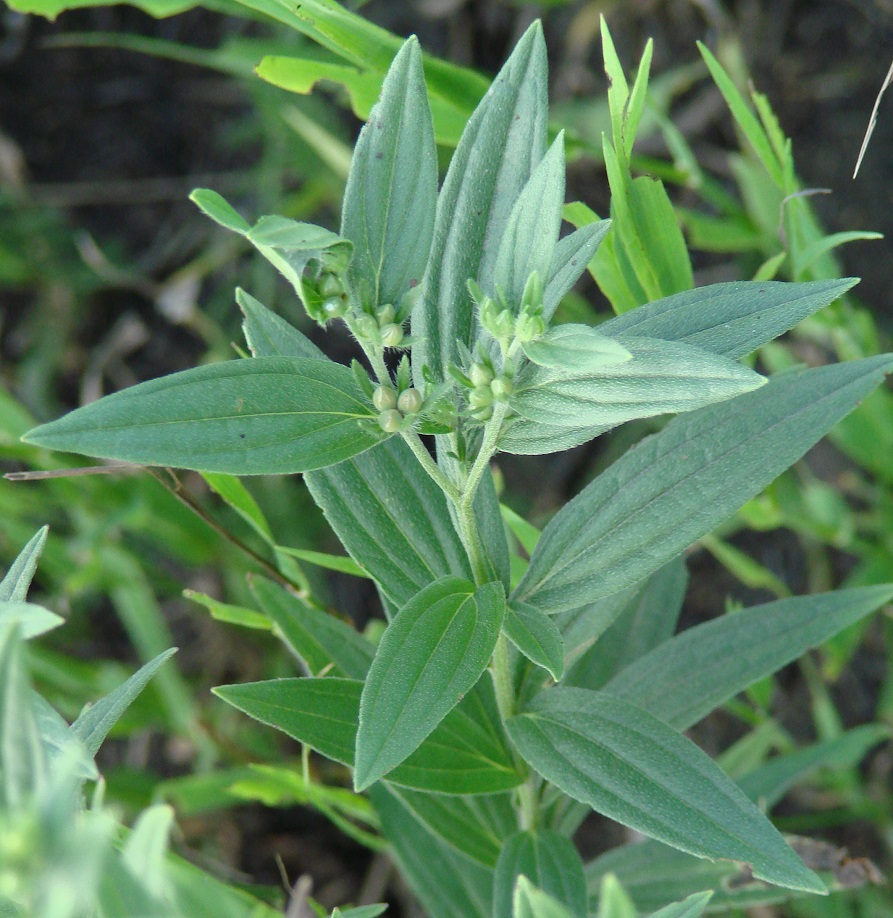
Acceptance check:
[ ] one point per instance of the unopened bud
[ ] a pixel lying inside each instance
(330, 285)
(480, 375)
(390, 421)
(410, 401)
(501, 388)
(384, 399)
(366, 327)
(481, 397)
(391, 335)
(385, 315)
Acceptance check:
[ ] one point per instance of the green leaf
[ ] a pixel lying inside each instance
(340, 563)
(661, 377)
(691, 907)
(266, 416)
(391, 193)
(237, 496)
(575, 348)
(528, 241)
(635, 769)
(551, 863)
(232, 615)
(447, 884)
(530, 902)
(59, 745)
(466, 754)
(14, 586)
(34, 620)
(673, 487)
(216, 207)
(431, 654)
(526, 533)
(361, 911)
(502, 144)
(685, 678)
(572, 254)
(391, 518)
(93, 725)
(614, 901)
(536, 636)
(268, 335)
(322, 641)
(728, 319)
(474, 826)
(146, 846)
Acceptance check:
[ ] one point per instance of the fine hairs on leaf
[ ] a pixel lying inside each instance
(521, 679)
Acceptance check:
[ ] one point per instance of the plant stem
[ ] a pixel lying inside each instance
(502, 678)
(414, 441)
(485, 454)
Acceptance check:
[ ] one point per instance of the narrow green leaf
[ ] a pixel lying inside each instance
(391, 518)
(526, 533)
(530, 902)
(692, 907)
(813, 252)
(662, 377)
(34, 620)
(614, 901)
(145, 849)
(523, 437)
(266, 416)
(269, 335)
(94, 723)
(391, 193)
(685, 678)
(576, 348)
(502, 144)
(14, 586)
(572, 254)
(340, 563)
(682, 482)
(631, 767)
(730, 319)
(551, 863)
(322, 641)
(361, 911)
(219, 210)
(536, 636)
(234, 493)
(59, 746)
(233, 615)
(431, 654)
(466, 754)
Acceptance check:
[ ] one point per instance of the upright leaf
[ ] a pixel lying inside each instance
(266, 416)
(391, 193)
(631, 767)
(14, 586)
(530, 902)
(677, 485)
(503, 142)
(269, 335)
(432, 653)
(569, 260)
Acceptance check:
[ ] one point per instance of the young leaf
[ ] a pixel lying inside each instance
(216, 207)
(682, 482)
(536, 636)
(691, 907)
(635, 769)
(391, 518)
(683, 679)
(729, 319)
(391, 193)
(268, 335)
(432, 653)
(661, 377)
(233, 615)
(93, 725)
(503, 142)
(576, 348)
(614, 901)
(34, 620)
(571, 256)
(530, 902)
(551, 863)
(14, 586)
(266, 416)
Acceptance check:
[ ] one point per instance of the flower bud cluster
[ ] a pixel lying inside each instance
(507, 325)
(393, 408)
(383, 329)
(326, 298)
(487, 388)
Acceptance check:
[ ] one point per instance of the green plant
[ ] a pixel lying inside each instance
(472, 725)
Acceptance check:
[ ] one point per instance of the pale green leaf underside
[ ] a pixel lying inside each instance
(33, 620)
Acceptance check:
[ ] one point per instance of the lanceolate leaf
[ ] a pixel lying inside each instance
(551, 863)
(466, 754)
(391, 192)
(34, 620)
(265, 416)
(14, 586)
(682, 482)
(432, 653)
(662, 377)
(685, 678)
(504, 141)
(631, 767)
(576, 349)
(530, 902)
(729, 319)
(392, 519)
(691, 907)
(571, 256)
(269, 335)
(536, 636)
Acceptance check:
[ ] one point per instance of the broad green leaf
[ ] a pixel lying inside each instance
(691, 907)
(431, 654)
(635, 769)
(684, 679)
(265, 416)
(576, 348)
(322, 641)
(536, 636)
(268, 335)
(215, 206)
(93, 725)
(522, 437)
(391, 193)
(474, 826)
(34, 620)
(551, 863)
(729, 319)
(528, 241)
(572, 254)
(232, 615)
(675, 486)
(391, 518)
(530, 902)
(466, 754)
(447, 884)
(662, 377)
(14, 586)
(502, 144)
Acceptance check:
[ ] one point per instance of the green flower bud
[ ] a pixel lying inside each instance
(481, 397)
(529, 328)
(483, 414)
(501, 388)
(480, 375)
(390, 421)
(385, 315)
(366, 327)
(330, 285)
(391, 335)
(334, 307)
(384, 399)
(410, 401)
